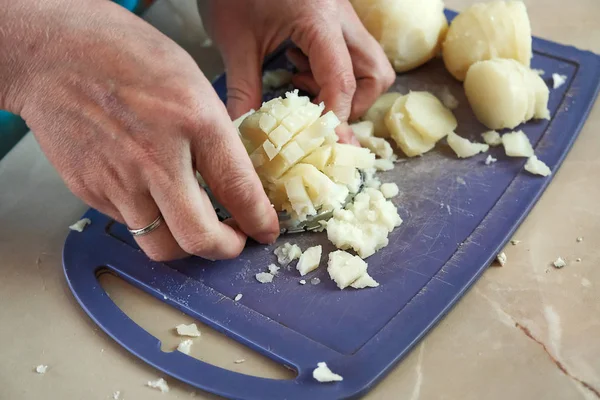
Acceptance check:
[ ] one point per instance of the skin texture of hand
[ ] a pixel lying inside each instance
(126, 117)
(338, 61)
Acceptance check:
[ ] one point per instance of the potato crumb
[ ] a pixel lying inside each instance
(116, 395)
(188, 330)
(273, 269)
(389, 190)
(490, 160)
(559, 263)
(185, 346)
(558, 80)
(579, 239)
(264, 277)
(41, 369)
(315, 281)
(492, 138)
(537, 167)
(238, 297)
(515, 242)
(464, 148)
(302, 282)
(80, 225)
(159, 384)
(323, 374)
(239, 361)
(501, 258)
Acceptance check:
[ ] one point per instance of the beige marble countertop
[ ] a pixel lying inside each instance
(525, 331)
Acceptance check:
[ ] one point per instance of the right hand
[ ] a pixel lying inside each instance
(126, 117)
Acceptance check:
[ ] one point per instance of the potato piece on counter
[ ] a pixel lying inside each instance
(503, 93)
(410, 31)
(498, 29)
(376, 114)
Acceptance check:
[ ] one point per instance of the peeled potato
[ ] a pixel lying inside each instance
(376, 114)
(417, 121)
(429, 116)
(404, 134)
(503, 93)
(484, 31)
(410, 31)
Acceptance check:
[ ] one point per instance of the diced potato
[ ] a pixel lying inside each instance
(344, 268)
(352, 156)
(320, 157)
(301, 204)
(517, 144)
(342, 174)
(389, 190)
(384, 164)
(309, 260)
(280, 136)
(270, 150)
(365, 224)
(429, 116)
(287, 253)
(465, 148)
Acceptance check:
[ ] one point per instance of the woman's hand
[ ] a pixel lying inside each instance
(338, 60)
(126, 117)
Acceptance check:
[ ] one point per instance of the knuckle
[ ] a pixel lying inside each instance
(347, 84)
(199, 244)
(388, 76)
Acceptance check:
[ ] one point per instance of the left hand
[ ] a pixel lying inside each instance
(338, 61)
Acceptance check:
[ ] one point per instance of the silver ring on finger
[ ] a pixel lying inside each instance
(148, 228)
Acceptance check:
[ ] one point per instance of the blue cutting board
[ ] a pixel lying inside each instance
(458, 214)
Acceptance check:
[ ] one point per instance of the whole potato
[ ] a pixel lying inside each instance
(487, 30)
(410, 31)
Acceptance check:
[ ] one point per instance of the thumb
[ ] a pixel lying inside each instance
(243, 66)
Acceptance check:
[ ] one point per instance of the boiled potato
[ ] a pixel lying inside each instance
(499, 29)
(404, 134)
(376, 114)
(503, 93)
(410, 31)
(429, 116)
(417, 121)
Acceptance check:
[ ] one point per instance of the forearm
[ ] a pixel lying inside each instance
(14, 43)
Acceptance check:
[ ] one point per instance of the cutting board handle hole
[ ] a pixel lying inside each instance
(160, 319)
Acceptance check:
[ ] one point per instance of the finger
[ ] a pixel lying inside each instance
(189, 214)
(306, 82)
(298, 58)
(330, 64)
(374, 73)
(159, 245)
(346, 135)
(243, 65)
(224, 164)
